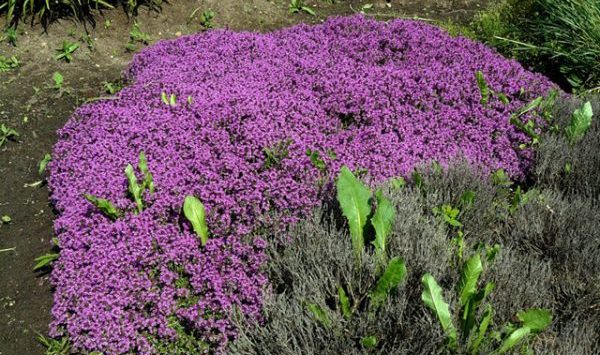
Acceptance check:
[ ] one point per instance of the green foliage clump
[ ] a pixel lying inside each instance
(560, 38)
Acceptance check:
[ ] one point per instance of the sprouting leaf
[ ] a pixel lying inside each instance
(417, 179)
(398, 182)
(173, 100)
(483, 87)
(491, 252)
(500, 178)
(353, 198)
(163, 97)
(105, 206)
(532, 105)
(468, 198)
(58, 80)
(315, 159)
(535, 319)
(5, 219)
(44, 261)
(503, 98)
(513, 339)
(369, 342)
(134, 188)
(320, 314)
(432, 297)
(581, 121)
(195, 212)
(486, 319)
(148, 178)
(344, 303)
(382, 222)
(471, 271)
(43, 163)
(470, 309)
(393, 275)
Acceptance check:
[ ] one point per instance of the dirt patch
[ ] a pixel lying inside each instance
(31, 104)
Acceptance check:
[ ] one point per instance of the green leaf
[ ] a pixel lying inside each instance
(483, 87)
(393, 275)
(532, 105)
(537, 320)
(503, 98)
(471, 271)
(468, 198)
(369, 342)
(42, 166)
(382, 222)
(173, 100)
(581, 120)
(308, 10)
(319, 314)
(482, 329)
(470, 309)
(344, 303)
(195, 212)
(514, 338)
(105, 206)
(5, 219)
(44, 260)
(353, 198)
(398, 182)
(134, 188)
(432, 297)
(163, 97)
(58, 80)
(148, 178)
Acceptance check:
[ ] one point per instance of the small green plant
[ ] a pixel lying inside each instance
(274, 155)
(135, 188)
(194, 211)
(315, 159)
(449, 214)
(10, 35)
(107, 24)
(206, 19)
(136, 35)
(581, 120)
(355, 201)
(45, 261)
(66, 51)
(55, 346)
(44, 163)
(170, 100)
(297, 6)
(486, 92)
(7, 134)
(112, 87)
(5, 219)
(470, 333)
(8, 63)
(58, 80)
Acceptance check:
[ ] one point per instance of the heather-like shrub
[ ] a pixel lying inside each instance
(561, 277)
(571, 168)
(254, 126)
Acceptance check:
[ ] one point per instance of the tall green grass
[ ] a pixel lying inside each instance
(560, 38)
(45, 11)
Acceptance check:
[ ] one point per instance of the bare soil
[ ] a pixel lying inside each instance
(29, 104)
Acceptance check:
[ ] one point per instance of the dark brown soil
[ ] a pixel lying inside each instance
(29, 104)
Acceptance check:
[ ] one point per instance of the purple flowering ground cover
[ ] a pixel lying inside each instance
(378, 96)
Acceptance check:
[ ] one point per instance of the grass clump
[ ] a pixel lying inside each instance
(560, 38)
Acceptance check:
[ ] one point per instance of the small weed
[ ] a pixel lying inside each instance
(58, 80)
(113, 87)
(136, 35)
(55, 346)
(66, 51)
(10, 35)
(5, 219)
(107, 24)
(8, 63)
(7, 134)
(170, 100)
(44, 163)
(206, 19)
(194, 211)
(45, 261)
(297, 6)
(275, 154)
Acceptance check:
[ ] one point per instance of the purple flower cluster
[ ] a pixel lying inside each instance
(372, 95)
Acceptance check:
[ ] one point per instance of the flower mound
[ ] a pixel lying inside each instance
(372, 95)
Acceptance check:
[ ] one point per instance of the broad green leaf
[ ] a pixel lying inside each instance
(483, 87)
(105, 206)
(382, 222)
(194, 211)
(432, 297)
(468, 198)
(134, 188)
(320, 314)
(513, 339)
(369, 342)
(482, 329)
(470, 309)
(344, 303)
(391, 278)
(581, 120)
(471, 271)
(44, 260)
(148, 178)
(537, 320)
(530, 106)
(42, 166)
(353, 198)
